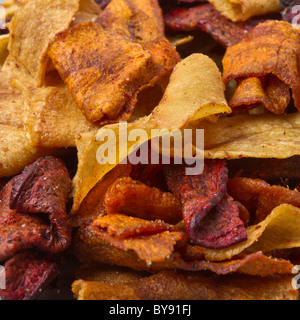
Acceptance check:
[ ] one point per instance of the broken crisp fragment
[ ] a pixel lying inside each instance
(211, 217)
(41, 191)
(241, 10)
(105, 71)
(128, 196)
(26, 275)
(207, 19)
(30, 38)
(151, 240)
(270, 51)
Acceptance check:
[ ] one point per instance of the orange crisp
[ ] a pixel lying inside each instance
(271, 53)
(151, 240)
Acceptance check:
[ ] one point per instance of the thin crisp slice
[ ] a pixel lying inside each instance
(252, 136)
(17, 151)
(46, 114)
(12, 107)
(241, 10)
(32, 28)
(89, 247)
(106, 91)
(172, 285)
(270, 49)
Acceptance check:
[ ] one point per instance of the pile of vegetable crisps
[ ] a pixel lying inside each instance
(149, 150)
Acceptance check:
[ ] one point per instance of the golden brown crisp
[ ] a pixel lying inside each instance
(140, 19)
(270, 50)
(30, 38)
(105, 71)
(136, 199)
(151, 240)
(172, 285)
(251, 92)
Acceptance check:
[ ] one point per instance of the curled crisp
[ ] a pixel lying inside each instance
(278, 231)
(241, 10)
(41, 191)
(271, 52)
(128, 196)
(272, 93)
(106, 91)
(211, 217)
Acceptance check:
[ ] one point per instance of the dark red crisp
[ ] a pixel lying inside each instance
(207, 19)
(33, 209)
(26, 275)
(211, 217)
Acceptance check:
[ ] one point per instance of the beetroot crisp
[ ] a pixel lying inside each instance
(26, 275)
(211, 217)
(207, 19)
(33, 209)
